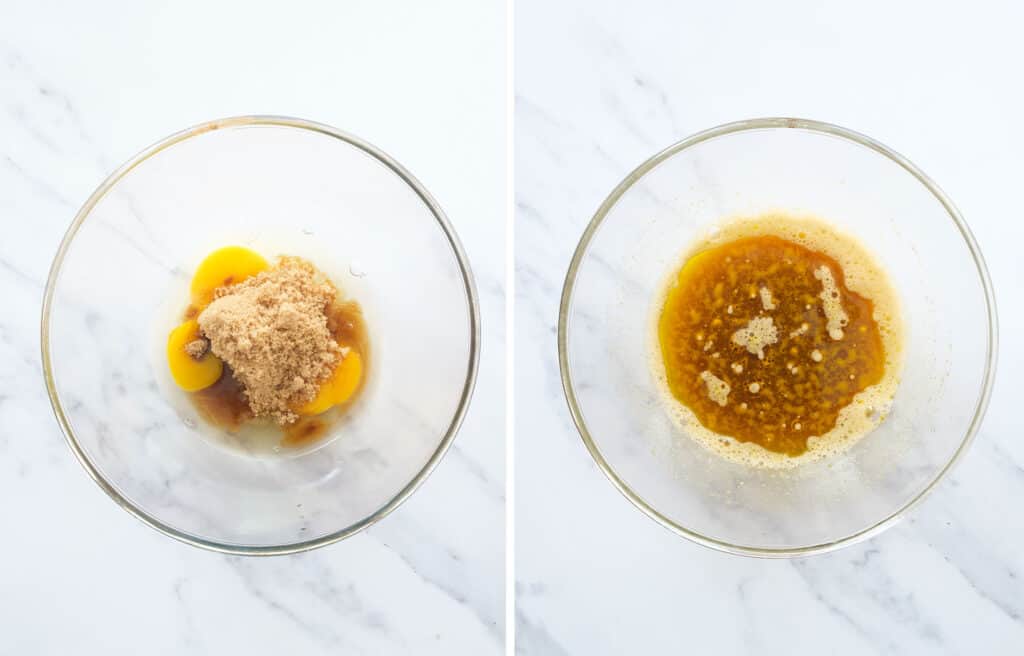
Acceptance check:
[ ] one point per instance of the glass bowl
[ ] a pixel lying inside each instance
(748, 168)
(280, 186)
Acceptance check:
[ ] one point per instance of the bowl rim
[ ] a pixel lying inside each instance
(471, 299)
(769, 123)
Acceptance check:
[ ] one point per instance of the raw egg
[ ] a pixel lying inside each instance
(338, 388)
(190, 374)
(226, 266)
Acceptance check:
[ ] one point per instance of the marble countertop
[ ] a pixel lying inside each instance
(602, 86)
(83, 88)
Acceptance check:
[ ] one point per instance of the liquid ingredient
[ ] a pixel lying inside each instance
(224, 404)
(260, 340)
(271, 329)
(190, 373)
(773, 322)
(338, 387)
(222, 268)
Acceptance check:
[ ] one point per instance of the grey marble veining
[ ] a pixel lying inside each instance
(429, 578)
(599, 89)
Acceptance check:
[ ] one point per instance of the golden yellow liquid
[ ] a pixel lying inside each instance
(214, 390)
(805, 378)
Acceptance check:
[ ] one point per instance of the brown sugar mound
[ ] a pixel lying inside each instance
(272, 331)
(197, 348)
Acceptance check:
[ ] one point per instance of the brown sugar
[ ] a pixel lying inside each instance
(272, 331)
(197, 348)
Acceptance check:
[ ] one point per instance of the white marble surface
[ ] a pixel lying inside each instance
(600, 87)
(82, 88)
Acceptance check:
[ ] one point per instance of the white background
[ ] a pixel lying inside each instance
(600, 86)
(83, 87)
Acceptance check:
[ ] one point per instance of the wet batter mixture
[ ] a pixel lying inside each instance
(780, 339)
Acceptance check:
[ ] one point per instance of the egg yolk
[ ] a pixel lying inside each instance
(226, 266)
(190, 374)
(338, 388)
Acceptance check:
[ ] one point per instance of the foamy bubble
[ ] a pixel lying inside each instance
(758, 333)
(861, 274)
(831, 303)
(718, 389)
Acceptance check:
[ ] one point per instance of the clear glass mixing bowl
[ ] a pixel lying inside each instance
(281, 186)
(743, 169)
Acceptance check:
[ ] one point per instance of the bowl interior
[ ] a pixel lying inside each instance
(743, 172)
(280, 187)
